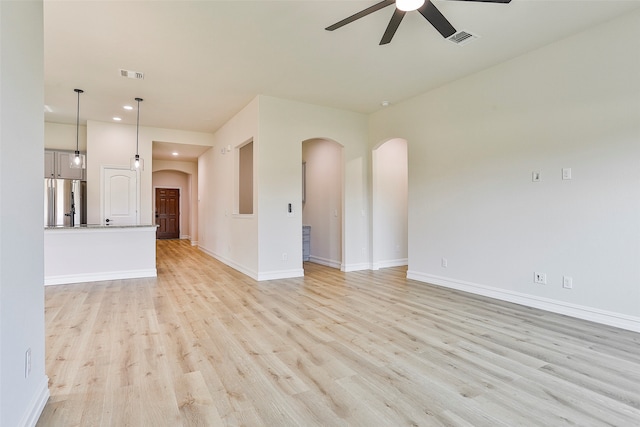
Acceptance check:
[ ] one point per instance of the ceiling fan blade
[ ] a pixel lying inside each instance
(437, 19)
(360, 14)
(395, 21)
(490, 1)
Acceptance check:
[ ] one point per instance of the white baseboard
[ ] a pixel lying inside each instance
(355, 267)
(37, 404)
(324, 261)
(282, 274)
(185, 237)
(194, 243)
(270, 275)
(230, 263)
(390, 263)
(99, 277)
(604, 317)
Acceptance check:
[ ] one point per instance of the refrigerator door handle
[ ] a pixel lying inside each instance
(52, 202)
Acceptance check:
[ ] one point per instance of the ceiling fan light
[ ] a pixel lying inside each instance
(409, 5)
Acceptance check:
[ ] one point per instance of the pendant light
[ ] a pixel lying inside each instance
(77, 162)
(136, 162)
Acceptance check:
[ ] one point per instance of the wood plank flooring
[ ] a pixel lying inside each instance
(203, 345)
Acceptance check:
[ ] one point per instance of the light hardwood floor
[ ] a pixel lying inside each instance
(203, 345)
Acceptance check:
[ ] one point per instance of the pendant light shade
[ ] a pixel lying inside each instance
(409, 5)
(137, 163)
(77, 161)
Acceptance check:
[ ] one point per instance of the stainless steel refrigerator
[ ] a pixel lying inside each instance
(65, 202)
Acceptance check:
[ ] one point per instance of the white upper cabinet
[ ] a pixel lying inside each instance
(49, 164)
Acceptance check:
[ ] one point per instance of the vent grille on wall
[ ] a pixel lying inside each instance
(132, 74)
(462, 38)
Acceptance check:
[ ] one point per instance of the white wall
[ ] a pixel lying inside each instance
(474, 144)
(63, 137)
(181, 181)
(110, 144)
(322, 209)
(21, 235)
(222, 233)
(389, 207)
(268, 243)
(283, 126)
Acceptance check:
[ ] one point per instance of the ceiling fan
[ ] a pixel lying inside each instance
(426, 8)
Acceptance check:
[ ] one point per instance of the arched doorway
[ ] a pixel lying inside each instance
(180, 183)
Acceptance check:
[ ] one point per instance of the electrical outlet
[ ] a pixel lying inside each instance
(444, 262)
(27, 363)
(540, 278)
(567, 282)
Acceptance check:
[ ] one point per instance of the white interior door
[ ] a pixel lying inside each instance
(120, 196)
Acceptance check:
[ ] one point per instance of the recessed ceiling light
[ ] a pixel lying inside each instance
(385, 103)
(128, 107)
(175, 153)
(117, 119)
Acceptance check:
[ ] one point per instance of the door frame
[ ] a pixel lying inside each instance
(103, 168)
(153, 204)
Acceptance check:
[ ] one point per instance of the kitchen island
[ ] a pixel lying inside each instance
(91, 253)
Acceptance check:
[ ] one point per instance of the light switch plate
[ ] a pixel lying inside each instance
(567, 282)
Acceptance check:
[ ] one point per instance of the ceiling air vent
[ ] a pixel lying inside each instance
(132, 74)
(461, 38)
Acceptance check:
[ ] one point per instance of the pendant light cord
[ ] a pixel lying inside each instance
(78, 91)
(138, 124)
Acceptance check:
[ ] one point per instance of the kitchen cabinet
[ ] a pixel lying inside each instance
(49, 164)
(306, 242)
(57, 164)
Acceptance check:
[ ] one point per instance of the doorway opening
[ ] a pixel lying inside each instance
(390, 204)
(186, 182)
(322, 195)
(168, 213)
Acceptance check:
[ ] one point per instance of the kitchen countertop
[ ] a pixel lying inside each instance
(96, 226)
